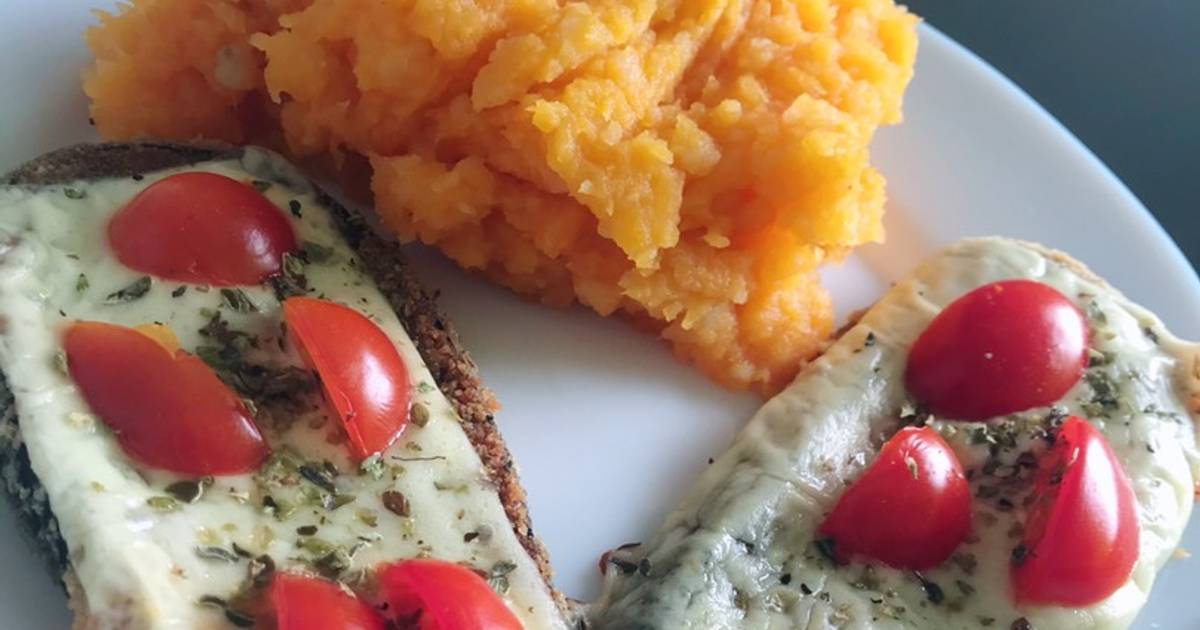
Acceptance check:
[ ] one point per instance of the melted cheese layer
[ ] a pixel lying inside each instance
(738, 551)
(138, 566)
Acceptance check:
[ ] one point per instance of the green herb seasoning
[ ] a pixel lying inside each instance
(317, 477)
(396, 503)
(458, 488)
(316, 546)
(214, 357)
(373, 466)
(826, 547)
(1019, 554)
(333, 564)
(280, 509)
(316, 253)
(1096, 358)
(237, 300)
(498, 576)
(164, 504)
(212, 601)
(81, 283)
(1096, 314)
(74, 193)
(295, 208)
(741, 600)
(260, 383)
(189, 490)
(368, 517)
(419, 414)
(239, 618)
(135, 291)
(933, 592)
(235, 617)
(626, 567)
(892, 611)
(260, 570)
(279, 469)
(179, 291)
(335, 501)
(220, 554)
(293, 280)
(261, 185)
(60, 363)
(1105, 394)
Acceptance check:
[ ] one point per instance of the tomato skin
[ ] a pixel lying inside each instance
(202, 228)
(443, 596)
(168, 410)
(362, 373)
(1081, 535)
(911, 508)
(308, 603)
(1002, 348)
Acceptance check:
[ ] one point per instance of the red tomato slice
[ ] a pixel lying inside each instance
(362, 373)
(168, 410)
(203, 228)
(1002, 348)
(1081, 536)
(909, 510)
(437, 595)
(307, 603)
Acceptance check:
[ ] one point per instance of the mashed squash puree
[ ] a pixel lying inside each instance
(687, 164)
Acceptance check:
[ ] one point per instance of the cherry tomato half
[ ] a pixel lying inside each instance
(909, 510)
(1081, 535)
(438, 595)
(168, 409)
(364, 377)
(1004, 347)
(203, 228)
(307, 603)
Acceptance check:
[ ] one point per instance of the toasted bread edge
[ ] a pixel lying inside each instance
(435, 337)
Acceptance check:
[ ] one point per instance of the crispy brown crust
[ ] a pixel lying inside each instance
(1066, 260)
(113, 159)
(435, 338)
(77, 602)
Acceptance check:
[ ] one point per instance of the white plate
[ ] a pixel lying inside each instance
(608, 428)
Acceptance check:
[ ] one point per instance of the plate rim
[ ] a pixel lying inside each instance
(932, 41)
(955, 52)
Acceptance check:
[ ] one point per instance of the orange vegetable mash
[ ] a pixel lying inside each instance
(687, 164)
